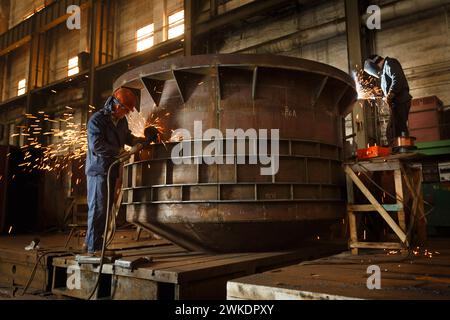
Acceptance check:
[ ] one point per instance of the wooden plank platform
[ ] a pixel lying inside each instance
(174, 273)
(344, 276)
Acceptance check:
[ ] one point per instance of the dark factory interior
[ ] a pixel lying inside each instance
(224, 150)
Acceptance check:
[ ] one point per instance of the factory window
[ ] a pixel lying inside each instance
(73, 66)
(176, 24)
(16, 135)
(145, 37)
(22, 87)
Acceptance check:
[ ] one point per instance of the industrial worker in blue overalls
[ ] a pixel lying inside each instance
(396, 93)
(108, 132)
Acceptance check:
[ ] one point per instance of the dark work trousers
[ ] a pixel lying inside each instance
(398, 122)
(97, 197)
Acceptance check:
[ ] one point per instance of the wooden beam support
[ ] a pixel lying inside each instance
(376, 245)
(398, 231)
(353, 231)
(376, 166)
(400, 198)
(370, 208)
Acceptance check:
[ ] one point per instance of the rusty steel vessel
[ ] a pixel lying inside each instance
(232, 207)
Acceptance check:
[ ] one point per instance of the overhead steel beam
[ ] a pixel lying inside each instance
(354, 40)
(94, 48)
(246, 11)
(189, 19)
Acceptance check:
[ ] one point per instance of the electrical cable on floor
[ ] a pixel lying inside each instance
(38, 259)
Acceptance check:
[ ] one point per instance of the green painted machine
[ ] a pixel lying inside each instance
(436, 185)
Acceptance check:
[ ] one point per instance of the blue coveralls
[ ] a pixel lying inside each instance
(105, 141)
(395, 84)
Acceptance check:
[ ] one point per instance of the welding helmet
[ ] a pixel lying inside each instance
(371, 66)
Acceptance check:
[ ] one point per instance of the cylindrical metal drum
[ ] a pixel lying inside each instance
(232, 206)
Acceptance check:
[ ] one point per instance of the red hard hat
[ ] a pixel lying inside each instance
(126, 97)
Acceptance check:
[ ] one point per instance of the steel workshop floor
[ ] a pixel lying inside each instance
(424, 274)
(17, 264)
(173, 272)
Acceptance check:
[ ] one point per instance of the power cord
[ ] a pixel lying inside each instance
(135, 149)
(38, 260)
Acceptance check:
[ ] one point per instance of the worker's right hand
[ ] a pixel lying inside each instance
(151, 134)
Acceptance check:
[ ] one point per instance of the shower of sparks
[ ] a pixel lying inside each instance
(366, 87)
(69, 144)
(417, 252)
(138, 123)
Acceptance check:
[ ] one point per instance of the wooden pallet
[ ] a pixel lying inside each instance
(175, 273)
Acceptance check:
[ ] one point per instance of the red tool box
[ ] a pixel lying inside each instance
(373, 152)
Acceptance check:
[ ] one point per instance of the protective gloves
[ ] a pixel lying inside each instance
(151, 134)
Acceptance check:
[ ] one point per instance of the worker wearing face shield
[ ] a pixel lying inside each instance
(108, 132)
(396, 93)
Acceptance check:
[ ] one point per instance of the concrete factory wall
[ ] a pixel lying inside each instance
(64, 45)
(9, 121)
(296, 35)
(420, 41)
(144, 12)
(422, 44)
(20, 9)
(17, 69)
